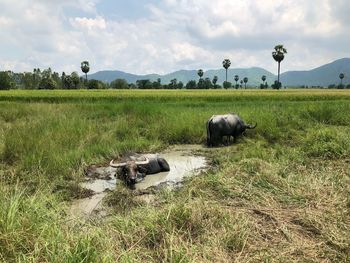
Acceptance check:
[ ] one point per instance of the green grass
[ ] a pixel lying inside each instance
(280, 194)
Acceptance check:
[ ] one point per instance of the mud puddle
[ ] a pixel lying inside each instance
(184, 160)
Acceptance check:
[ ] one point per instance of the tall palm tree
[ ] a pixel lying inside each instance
(278, 55)
(236, 79)
(341, 76)
(85, 67)
(241, 83)
(263, 78)
(215, 79)
(226, 64)
(200, 73)
(245, 80)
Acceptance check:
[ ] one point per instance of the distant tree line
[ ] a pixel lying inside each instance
(49, 80)
(46, 79)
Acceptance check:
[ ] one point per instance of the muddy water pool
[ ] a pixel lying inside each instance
(184, 160)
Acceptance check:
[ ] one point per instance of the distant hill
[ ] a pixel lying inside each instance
(321, 76)
(253, 74)
(110, 75)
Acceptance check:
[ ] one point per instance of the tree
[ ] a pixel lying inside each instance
(27, 80)
(215, 79)
(191, 84)
(241, 83)
(205, 84)
(245, 80)
(119, 84)
(63, 76)
(132, 86)
(227, 84)
(143, 84)
(276, 85)
(226, 64)
(263, 85)
(6, 81)
(200, 73)
(341, 76)
(85, 67)
(157, 84)
(68, 82)
(75, 79)
(96, 84)
(47, 73)
(93, 84)
(56, 77)
(236, 79)
(200, 84)
(47, 83)
(278, 56)
(173, 84)
(36, 77)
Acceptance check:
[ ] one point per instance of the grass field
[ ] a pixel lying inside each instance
(280, 194)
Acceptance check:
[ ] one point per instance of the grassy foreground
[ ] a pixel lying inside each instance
(281, 194)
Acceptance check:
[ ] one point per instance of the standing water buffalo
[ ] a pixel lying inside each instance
(138, 166)
(225, 125)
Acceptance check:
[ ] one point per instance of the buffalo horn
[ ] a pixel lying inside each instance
(142, 162)
(116, 165)
(251, 126)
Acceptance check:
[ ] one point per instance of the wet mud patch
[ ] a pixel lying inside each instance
(184, 161)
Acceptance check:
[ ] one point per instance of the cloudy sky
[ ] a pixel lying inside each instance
(160, 36)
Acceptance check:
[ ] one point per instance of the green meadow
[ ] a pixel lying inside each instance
(281, 193)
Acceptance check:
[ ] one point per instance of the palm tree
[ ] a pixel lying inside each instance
(263, 78)
(236, 78)
(245, 80)
(241, 82)
(278, 55)
(200, 73)
(85, 67)
(341, 76)
(215, 79)
(226, 64)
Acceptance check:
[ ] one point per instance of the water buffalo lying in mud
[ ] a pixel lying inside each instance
(229, 125)
(137, 167)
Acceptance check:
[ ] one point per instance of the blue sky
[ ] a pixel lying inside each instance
(140, 36)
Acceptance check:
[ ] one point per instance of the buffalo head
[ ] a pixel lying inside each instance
(130, 170)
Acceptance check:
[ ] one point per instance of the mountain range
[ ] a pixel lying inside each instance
(321, 76)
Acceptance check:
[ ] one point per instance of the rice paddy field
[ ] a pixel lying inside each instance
(281, 193)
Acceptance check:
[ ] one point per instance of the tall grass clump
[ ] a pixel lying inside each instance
(34, 229)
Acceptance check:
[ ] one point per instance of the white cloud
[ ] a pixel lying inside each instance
(5, 21)
(89, 23)
(176, 34)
